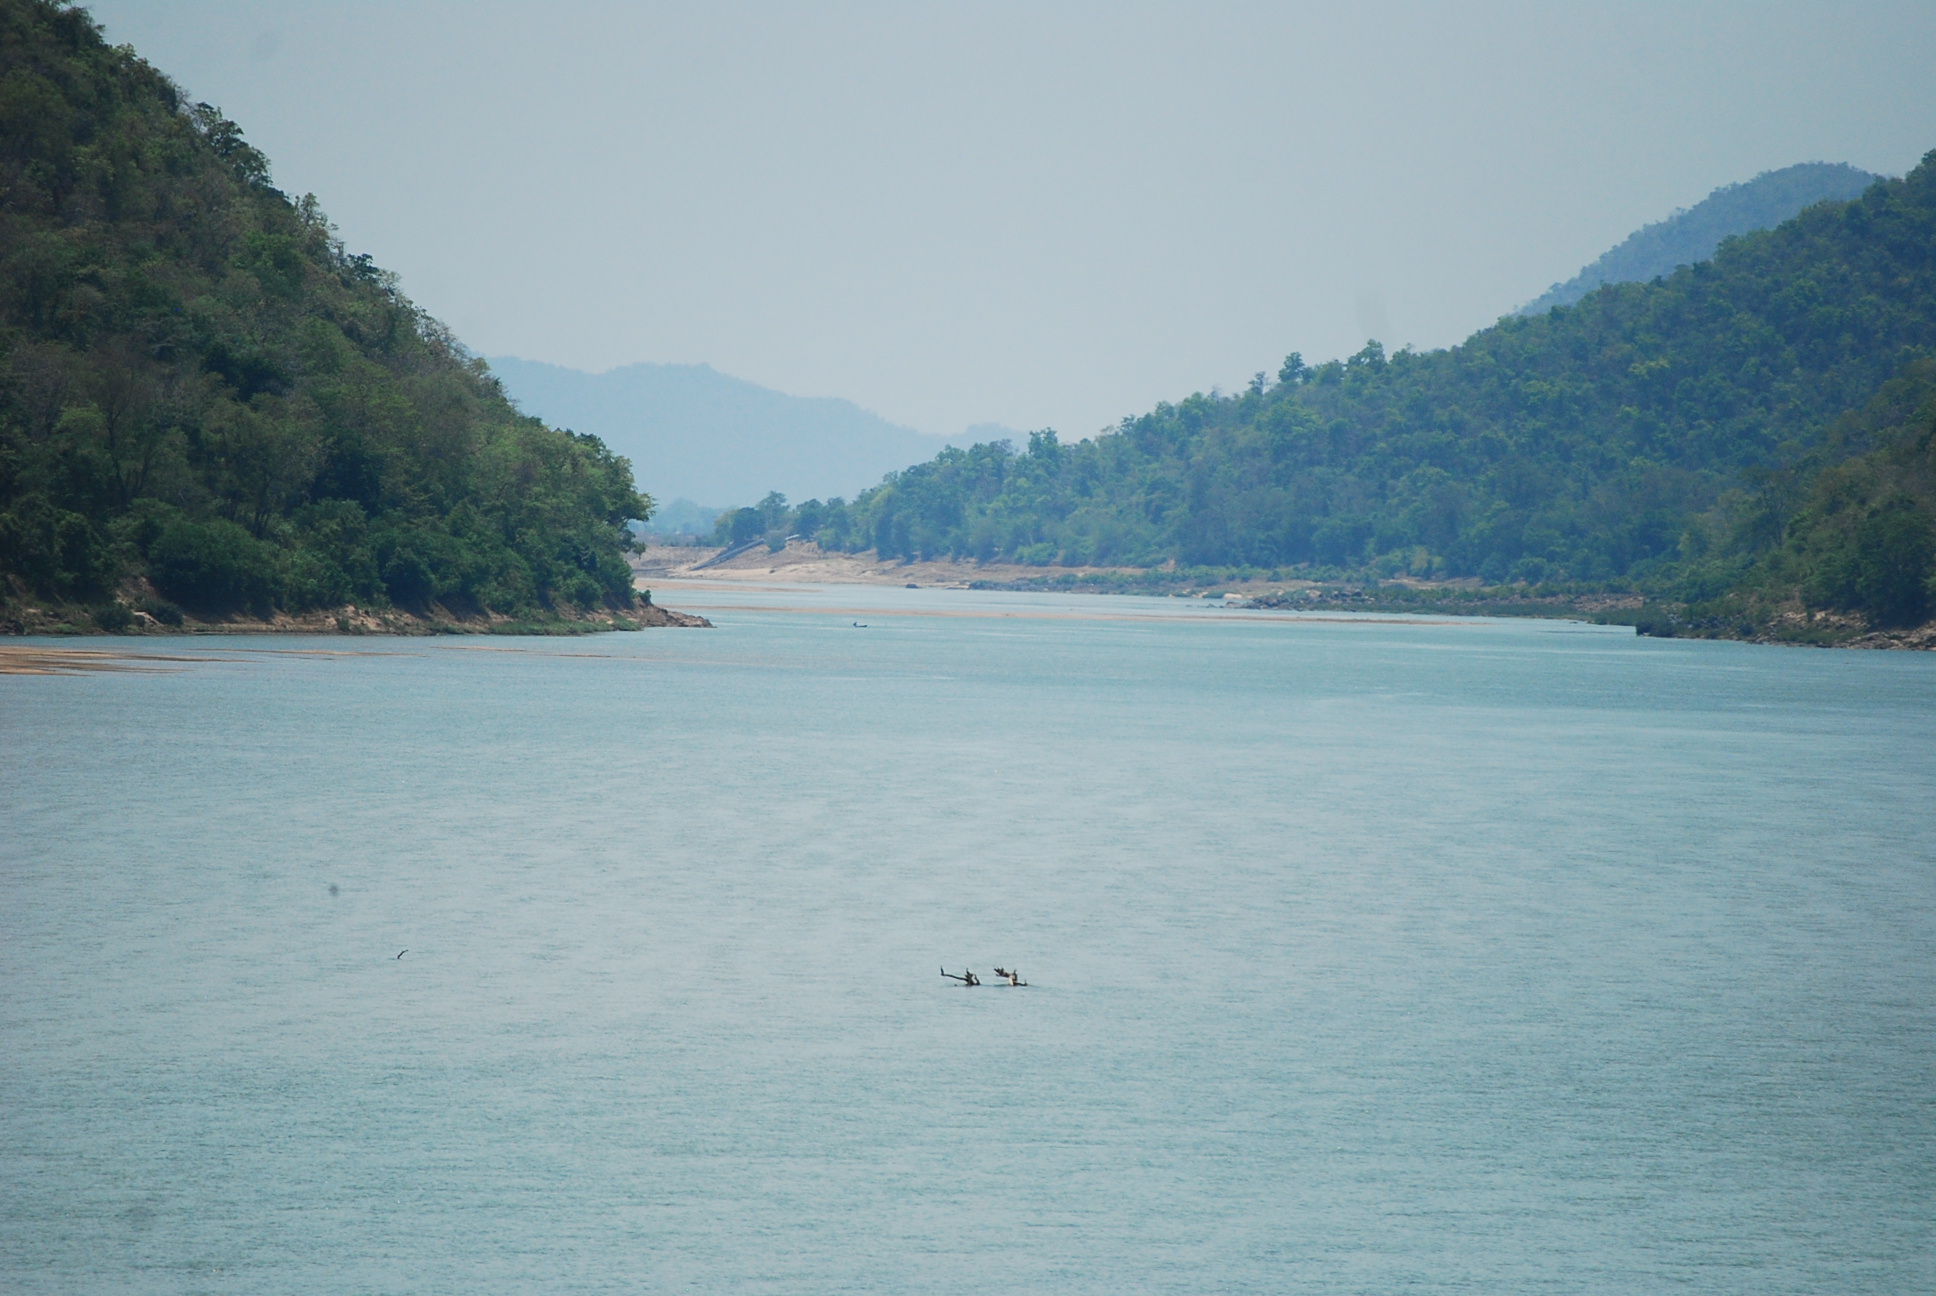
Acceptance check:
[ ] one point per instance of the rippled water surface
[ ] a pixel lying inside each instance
(1364, 957)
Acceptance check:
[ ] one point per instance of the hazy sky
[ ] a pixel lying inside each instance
(1031, 214)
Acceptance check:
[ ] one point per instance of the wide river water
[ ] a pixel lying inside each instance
(1364, 956)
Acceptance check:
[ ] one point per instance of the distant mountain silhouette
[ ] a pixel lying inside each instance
(1692, 235)
(692, 432)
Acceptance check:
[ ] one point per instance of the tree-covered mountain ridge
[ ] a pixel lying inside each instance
(1654, 436)
(1693, 234)
(209, 407)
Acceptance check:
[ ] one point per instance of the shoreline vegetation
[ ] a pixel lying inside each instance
(215, 418)
(146, 615)
(1744, 448)
(804, 562)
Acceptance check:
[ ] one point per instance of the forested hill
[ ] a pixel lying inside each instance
(1693, 235)
(200, 389)
(1652, 428)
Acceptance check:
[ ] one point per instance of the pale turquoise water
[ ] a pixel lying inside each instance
(1490, 957)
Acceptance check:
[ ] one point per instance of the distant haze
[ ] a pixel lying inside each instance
(701, 435)
(1026, 214)
(696, 436)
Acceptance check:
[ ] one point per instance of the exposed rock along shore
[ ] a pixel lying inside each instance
(133, 618)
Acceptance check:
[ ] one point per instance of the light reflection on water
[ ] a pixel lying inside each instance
(1365, 956)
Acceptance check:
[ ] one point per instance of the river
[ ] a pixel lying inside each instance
(1364, 955)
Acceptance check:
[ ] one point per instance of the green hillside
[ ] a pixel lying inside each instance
(1657, 436)
(1851, 532)
(1693, 235)
(205, 397)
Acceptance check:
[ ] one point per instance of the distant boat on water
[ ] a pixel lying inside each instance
(968, 978)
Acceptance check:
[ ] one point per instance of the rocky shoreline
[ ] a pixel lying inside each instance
(139, 613)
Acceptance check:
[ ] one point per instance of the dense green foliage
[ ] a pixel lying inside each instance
(1693, 235)
(200, 385)
(1654, 433)
(1856, 524)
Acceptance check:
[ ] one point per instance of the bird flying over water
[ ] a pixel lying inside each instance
(402, 952)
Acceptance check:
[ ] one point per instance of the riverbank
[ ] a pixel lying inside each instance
(803, 562)
(137, 612)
